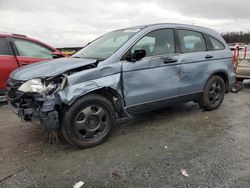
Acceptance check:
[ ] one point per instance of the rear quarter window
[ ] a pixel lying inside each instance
(214, 44)
(4, 47)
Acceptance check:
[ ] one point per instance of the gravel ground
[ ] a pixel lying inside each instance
(151, 150)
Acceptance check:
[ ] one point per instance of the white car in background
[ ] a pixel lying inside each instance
(242, 52)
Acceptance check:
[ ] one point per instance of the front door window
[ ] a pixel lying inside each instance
(157, 42)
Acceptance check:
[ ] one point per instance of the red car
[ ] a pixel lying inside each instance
(19, 50)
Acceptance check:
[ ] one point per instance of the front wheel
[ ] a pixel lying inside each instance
(213, 93)
(88, 121)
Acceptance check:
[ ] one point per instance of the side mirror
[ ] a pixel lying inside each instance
(138, 54)
(57, 54)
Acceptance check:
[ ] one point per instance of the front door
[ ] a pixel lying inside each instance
(8, 62)
(155, 77)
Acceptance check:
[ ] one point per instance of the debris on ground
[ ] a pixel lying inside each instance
(166, 147)
(184, 172)
(53, 136)
(79, 184)
(116, 176)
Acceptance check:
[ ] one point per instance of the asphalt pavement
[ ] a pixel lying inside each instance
(181, 146)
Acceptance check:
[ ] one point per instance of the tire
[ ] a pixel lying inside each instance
(88, 121)
(234, 88)
(213, 95)
(238, 86)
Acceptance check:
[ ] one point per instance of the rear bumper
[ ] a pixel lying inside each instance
(243, 70)
(243, 76)
(2, 95)
(2, 98)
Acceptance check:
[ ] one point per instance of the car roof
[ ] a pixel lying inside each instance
(167, 25)
(21, 36)
(181, 26)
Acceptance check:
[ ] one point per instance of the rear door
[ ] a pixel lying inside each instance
(8, 62)
(195, 59)
(30, 52)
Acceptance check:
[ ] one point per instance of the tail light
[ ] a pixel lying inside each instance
(234, 59)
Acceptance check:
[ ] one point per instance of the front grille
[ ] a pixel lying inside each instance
(12, 90)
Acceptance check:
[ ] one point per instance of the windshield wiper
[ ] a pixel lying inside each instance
(95, 58)
(100, 59)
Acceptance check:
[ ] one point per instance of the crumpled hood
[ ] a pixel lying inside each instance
(49, 68)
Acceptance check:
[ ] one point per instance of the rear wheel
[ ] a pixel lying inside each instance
(88, 121)
(213, 93)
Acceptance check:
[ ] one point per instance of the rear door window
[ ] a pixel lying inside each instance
(31, 49)
(191, 41)
(4, 47)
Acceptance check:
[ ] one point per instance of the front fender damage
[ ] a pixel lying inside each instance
(71, 93)
(48, 108)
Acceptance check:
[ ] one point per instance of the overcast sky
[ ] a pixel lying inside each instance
(64, 23)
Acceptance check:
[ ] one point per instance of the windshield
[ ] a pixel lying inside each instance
(106, 45)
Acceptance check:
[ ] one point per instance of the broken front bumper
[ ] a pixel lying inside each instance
(49, 120)
(33, 107)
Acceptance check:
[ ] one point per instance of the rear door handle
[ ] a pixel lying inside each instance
(169, 60)
(25, 63)
(209, 56)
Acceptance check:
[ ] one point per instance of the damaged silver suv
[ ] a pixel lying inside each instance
(120, 74)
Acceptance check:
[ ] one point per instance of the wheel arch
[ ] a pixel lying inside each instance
(114, 97)
(109, 93)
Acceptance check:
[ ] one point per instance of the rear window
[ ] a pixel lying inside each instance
(4, 47)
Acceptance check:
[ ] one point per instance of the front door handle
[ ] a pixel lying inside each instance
(25, 63)
(209, 56)
(169, 60)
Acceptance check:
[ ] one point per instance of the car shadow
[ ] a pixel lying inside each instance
(151, 118)
(2, 103)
